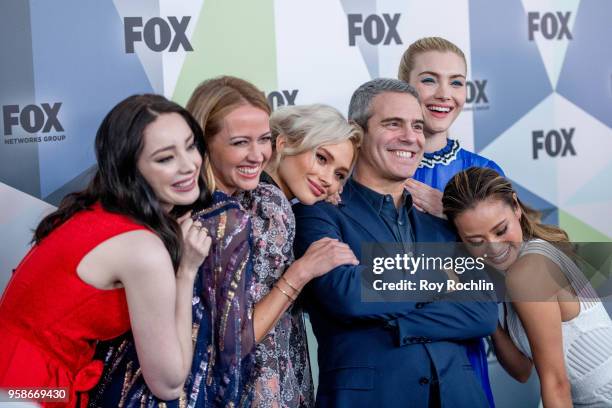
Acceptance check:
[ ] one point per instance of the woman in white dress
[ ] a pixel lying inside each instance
(554, 319)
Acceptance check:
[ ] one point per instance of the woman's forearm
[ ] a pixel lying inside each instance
(272, 306)
(510, 357)
(183, 313)
(556, 392)
(321, 257)
(267, 312)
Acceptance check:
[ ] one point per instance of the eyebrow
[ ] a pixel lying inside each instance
(232, 138)
(492, 229)
(171, 147)
(386, 120)
(331, 156)
(248, 137)
(437, 75)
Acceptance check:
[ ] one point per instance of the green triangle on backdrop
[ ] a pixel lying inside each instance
(232, 37)
(579, 231)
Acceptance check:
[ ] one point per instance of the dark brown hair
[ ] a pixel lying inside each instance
(118, 185)
(477, 184)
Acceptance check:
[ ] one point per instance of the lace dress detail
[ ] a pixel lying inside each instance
(587, 338)
(281, 358)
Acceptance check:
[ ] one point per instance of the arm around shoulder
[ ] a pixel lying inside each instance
(338, 292)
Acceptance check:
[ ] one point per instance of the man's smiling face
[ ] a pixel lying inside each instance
(394, 141)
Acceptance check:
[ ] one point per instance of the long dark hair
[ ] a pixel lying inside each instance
(117, 183)
(468, 188)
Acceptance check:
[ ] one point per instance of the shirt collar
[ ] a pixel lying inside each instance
(377, 200)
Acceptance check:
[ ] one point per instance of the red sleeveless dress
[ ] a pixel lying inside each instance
(50, 320)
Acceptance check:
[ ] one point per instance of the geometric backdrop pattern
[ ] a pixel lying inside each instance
(539, 90)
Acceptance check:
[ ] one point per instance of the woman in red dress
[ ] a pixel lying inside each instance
(120, 255)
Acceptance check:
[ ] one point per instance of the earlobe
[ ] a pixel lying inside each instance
(279, 146)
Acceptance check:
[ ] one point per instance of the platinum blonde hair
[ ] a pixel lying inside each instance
(307, 127)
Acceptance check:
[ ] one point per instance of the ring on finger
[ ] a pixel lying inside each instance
(199, 227)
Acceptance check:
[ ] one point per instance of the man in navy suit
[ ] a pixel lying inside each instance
(387, 354)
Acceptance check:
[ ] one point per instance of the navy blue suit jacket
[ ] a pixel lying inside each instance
(383, 353)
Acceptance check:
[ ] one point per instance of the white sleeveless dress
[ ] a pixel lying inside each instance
(587, 338)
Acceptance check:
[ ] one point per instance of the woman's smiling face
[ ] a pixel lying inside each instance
(492, 230)
(439, 78)
(170, 161)
(313, 176)
(241, 149)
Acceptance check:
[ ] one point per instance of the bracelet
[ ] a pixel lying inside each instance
(292, 299)
(289, 284)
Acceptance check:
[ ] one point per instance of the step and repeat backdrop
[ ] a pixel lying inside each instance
(539, 90)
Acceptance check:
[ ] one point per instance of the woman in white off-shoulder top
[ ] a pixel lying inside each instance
(554, 318)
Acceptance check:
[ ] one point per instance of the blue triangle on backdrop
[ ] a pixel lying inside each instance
(511, 64)
(585, 78)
